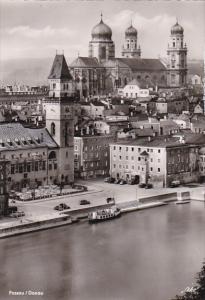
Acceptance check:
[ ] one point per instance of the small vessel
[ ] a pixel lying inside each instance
(182, 202)
(104, 214)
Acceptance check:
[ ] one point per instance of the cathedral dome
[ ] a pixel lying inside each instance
(102, 31)
(177, 29)
(131, 31)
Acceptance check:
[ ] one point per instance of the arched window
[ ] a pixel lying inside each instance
(102, 52)
(53, 129)
(52, 155)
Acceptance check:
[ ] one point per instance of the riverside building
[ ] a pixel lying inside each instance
(158, 160)
(41, 156)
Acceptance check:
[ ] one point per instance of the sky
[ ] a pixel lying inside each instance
(37, 28)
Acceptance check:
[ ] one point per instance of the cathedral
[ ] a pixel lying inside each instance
(103, 73)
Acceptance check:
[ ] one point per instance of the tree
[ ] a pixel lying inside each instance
(198, 291)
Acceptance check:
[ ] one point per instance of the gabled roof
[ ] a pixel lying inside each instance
(59, 68)
(144, 153)
(85, 62)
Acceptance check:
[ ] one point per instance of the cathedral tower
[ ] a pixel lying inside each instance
(101, 46)
(177, 58)
(60, 117)
(130, 48)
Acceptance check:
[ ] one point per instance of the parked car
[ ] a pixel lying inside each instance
(84, 202)
(61, 206)
(110, 199)
(122, 182)
(112, 180)
(142, 185)
(175, 183)
(117, 181)
(109, 180)
(17, 214)
(12, 209)
(149, 186)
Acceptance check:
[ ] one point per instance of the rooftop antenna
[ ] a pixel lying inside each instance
(101, 16)
(177, 20)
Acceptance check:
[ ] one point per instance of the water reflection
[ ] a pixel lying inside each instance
(153, 254)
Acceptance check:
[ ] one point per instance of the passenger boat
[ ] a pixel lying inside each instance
(104, 214)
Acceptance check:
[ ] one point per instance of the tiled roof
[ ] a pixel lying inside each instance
(161, 142)
(82, 62)
(143, 64)
(14, 136)
(59, 69)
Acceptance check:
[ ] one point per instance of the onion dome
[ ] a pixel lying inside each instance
(102, 31)
(131, 32)
(177, 29)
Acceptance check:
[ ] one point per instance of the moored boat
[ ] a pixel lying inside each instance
(104, 214)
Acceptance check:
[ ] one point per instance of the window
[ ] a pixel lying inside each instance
(139, 158)
(133, 167)
(114, 166)
(158, 169)
(151, 169)
(158, 159)
(126, 148)
(126, 157)
(120, 148)
(12, 169)
(132, 148)
(53, 128)
(120, 157)
(132, 158)
(159, 150)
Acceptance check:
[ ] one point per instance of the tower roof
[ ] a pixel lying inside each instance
(177, 29)
(131, 32)
(59, 68)
(101, 31)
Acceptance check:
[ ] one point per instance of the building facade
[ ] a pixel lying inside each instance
(41, 156)
(3, 187)
(103, 73)
(155, 160)
(92, 156)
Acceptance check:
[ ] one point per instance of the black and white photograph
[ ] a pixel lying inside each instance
(102, 150)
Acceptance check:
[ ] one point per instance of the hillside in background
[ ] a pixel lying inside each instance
(36, 71)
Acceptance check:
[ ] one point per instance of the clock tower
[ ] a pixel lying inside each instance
(60, 120)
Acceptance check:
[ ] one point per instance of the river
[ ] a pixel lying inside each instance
(147, 255)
